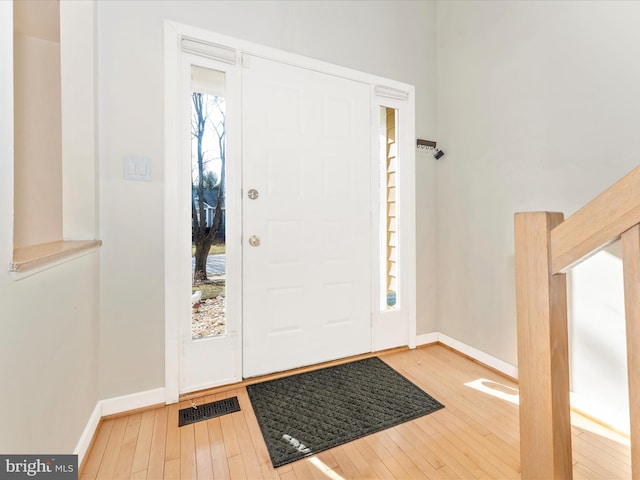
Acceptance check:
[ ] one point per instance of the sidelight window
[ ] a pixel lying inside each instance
(208, 212)
(389, 208)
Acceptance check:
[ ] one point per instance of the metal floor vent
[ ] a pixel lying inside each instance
(190, 415)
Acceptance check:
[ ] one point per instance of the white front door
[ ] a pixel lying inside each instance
(307, 233)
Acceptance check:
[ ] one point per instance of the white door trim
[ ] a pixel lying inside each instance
(171, 212)
(173, 32)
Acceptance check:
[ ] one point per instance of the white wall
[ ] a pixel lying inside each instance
(538, 109)
(597, 357)
(48, 345)
(389, 38)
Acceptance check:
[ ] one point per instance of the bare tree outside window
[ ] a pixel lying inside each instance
(208, 210)
(208, 110)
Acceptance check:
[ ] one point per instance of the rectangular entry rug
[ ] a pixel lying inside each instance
(307, 413)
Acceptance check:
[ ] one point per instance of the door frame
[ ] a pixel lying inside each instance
(174, 213)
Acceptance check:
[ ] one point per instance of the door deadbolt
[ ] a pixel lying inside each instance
(253, 194)
(254, 241)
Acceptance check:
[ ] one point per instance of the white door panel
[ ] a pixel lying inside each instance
(306, 150)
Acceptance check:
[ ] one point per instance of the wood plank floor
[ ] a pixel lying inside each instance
(475, 436)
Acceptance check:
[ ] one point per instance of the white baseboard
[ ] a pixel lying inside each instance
(89, 431)
(618, 420)
(479, 355)
(472, 352)
(111, 406)
(124, 403)
(427, 338)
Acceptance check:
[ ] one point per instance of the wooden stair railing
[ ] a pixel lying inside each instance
(546, 247)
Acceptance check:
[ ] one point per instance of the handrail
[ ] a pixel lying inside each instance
(597, 224)
(546, 246)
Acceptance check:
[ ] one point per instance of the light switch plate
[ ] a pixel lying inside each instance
(137, 168)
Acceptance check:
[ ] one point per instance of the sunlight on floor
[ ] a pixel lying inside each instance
(496, 389)
(320, 465)
(511, 394)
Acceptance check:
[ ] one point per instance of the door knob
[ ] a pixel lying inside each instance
(253, 194)
(254, 241)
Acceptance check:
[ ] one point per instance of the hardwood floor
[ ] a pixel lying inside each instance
(475, 436)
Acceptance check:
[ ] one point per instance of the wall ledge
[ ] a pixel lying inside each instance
(35, 258)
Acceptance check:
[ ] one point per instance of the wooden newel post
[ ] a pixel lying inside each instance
(631, 266)
(543, 360)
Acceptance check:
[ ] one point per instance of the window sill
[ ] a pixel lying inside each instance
(34, 258)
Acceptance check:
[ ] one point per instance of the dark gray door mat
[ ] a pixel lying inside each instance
(215, 409)
(307, 413)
